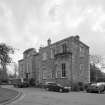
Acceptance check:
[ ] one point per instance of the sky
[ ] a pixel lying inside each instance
(29, 23)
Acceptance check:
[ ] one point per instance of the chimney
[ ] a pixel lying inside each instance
(49, 42)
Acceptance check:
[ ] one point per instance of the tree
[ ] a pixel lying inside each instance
(4, 54)
(96, 59)
(92, 73)
(5, 58)
(96, 74)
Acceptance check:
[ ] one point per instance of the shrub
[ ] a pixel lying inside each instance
(75, 87)
(32, 82)
(86, 86)
(79, 86)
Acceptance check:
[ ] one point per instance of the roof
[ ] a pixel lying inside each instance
(71, 37)
(30, 49)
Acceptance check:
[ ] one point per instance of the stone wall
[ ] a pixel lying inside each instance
(77, 65)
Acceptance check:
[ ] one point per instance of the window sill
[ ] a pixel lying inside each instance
(60, 77)
(63, 77)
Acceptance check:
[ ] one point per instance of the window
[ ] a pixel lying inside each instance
(44, 56)
(44, 74)
(21, 70)
(28, 67)
(63, 70)
(27, 75)
(47, 74)
(81, 67)
(81, 72)
(52, 54)
(82, 51)
(58, 74)
(64, 48)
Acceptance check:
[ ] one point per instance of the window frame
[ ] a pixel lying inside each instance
(63, 73)
(64, 48)
(82, 51)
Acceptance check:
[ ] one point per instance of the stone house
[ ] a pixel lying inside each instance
(64, 62)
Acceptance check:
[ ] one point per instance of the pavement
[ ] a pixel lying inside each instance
(35, 96)
(8, 95)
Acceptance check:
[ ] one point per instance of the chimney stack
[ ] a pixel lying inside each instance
(49, 42)
(77, 37)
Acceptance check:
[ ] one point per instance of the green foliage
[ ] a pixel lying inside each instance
(32, 82)
(96, 75)
(79, 86)
(4, 54)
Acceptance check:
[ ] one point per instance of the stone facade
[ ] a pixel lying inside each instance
(64, 62)
(28, 66)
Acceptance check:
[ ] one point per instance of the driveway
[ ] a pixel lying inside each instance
(35, 96)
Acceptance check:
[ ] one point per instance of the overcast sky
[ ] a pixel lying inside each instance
(29, 23)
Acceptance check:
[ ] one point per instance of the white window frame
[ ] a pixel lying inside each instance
(57, 73)
(65, 71)
(44, 76)
(82, 51)
(50, 75)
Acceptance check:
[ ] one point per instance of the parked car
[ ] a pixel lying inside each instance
(96, 87)
(52, 86)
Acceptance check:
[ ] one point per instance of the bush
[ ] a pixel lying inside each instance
(32, 82)
(40, 85)
(79, 86)
(86, 86)
(75, 87)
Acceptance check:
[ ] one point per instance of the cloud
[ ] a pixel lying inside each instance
(27, 23)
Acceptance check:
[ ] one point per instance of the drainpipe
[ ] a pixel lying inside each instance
(71, 73)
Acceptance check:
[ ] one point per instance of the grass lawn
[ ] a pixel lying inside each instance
(7, 94)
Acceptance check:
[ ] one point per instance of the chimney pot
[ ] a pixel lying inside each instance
(77, 37)
(49, 42)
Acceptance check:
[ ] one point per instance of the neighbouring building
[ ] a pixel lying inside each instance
(64, 62)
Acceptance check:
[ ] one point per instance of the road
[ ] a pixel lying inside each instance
(35, 96)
